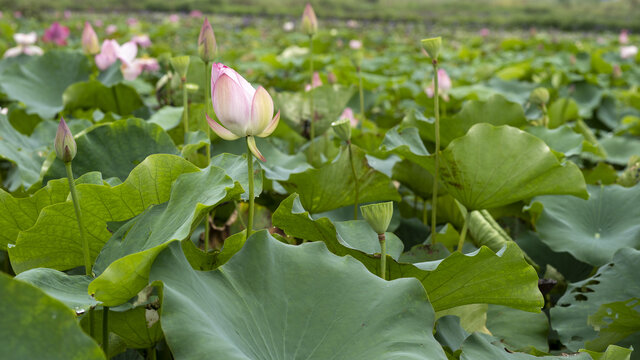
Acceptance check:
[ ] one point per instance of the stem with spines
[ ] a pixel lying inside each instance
(251, 205)
(434, 199)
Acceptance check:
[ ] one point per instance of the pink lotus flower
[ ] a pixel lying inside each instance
(348, 114)
(142, 40)
(132, 22)
(67, 14)
(17, 14)
(56, 33)
(623, 38)
(98, 23)
(444, 85)
(148, 64)
(131, 68)
(90, 42)
(195, 14)
(174, 18)
(628, 52)
(315, 82)
(484, 32)
(25, 45)
(241, 109)
(355, 44)
(111, 29)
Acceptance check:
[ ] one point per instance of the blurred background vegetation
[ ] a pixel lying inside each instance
(591, 15)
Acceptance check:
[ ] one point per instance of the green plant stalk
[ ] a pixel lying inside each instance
(207, 98)
(361, 93)
(424, 212)
(313, 117)
(76, 205)
(151, 353)
(185, 104)
(91, 322)
(383, 256)
(250, 173)
(355, 182)
(105, 330)
(463, 233)
(545, 116)
(434, 199)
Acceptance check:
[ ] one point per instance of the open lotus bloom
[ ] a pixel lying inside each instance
(131, 68)
(57, 34)
(627, 52)
(25, 45)
(241, 109)
(444, 85)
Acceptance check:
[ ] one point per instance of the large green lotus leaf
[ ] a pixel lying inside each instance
(506, 324)
(37, 326)
(71, 290)
(449, 332)
(561, 139)
(591, 230)
(236, 167)
(125, 260)
(615, 322)
(54, 240)
(514, 91)
(562, 111)
(332, 186)
(479, 347)
(616, 281)
(280, 302)
(115, 149)
(138, 328)
(588, 97)
(359, 235)
(408, 144)
(484, 277)
(620, 148)
(415, 177)
(495, 166)
(496, 111)
(613, 353)
(119, 98)
(40, 81)
(473, 317)
(168, 117)
(27, 153)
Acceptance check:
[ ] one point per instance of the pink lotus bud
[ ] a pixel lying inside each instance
(484, 32)
(132, 22)
(64, 143)
(241, 109)
(142, 40)
(348, 114)
(444, 85)
(309, 21)
(90, 42)
(174, 18)
(623, 38)
(207, 46)
(195, 14)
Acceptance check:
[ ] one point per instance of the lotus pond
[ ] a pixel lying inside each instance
(316, 189)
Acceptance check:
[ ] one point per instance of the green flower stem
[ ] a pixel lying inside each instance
(105, 330)
(361, 93)
(424, 212)
(463, 233)
(434, 199)
(355, 182)
(250, 172)
(207, 98)
(313, 117)
(383, 256)
(91, 322)
(185, 104)
(76, 205)
(151, 353)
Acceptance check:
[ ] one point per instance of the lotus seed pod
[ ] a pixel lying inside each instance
(432, 47)
(539, 96)
(342, 128)
(378, 215)
(64, 143)
(181, 65)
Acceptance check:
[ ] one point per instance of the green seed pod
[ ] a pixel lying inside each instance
(342, 128)
(539, 96)
(378, 215)
(64, 143)
(181, 65)
(432, 47)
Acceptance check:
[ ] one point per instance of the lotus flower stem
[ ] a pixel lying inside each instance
(361, 93)
(434, 199)
(383, 256)
(185, 104)
(105, 330)
(76, 205)
(463, 233)
(311, 110)
(355, 182)
(151, 353)
(250, 173)
(207, 99)
(424, 212)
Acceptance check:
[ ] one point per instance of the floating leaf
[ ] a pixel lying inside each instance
(119, 98)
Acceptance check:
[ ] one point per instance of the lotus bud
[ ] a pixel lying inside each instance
(181, 65)
(64, 143)
(432, 47)
(309, 21)
(342, 128)
(539, 96)
(90, 42)
(207, 47)
(378, 215)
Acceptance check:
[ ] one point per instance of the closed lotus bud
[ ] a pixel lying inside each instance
(539, 96)
(432, 47)
(342, 128)
(378, 215)
(90, 42)
(64, 143)
(181, 65)
(309, 21)
(207, 47)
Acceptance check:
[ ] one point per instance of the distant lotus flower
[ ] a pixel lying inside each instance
(331, 77)
(4, 111)
(67, 14)
(484, 32)
(64, 143)
(142, 40)
(288, 26)
(315, 82)
(444, 85)
(25, 45)
(57, 34)
(241, 109)
(309, 21)
(627, 52)
(348, 114)
(111, 29)
(207, 46)
(132, 21)
(355, 44)
(195, 14)
(623, 38)
(174, 18)
(17, 14)
(352, 24)
(90, 42)
(148, 64)
(98, 23)
(131, 68)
